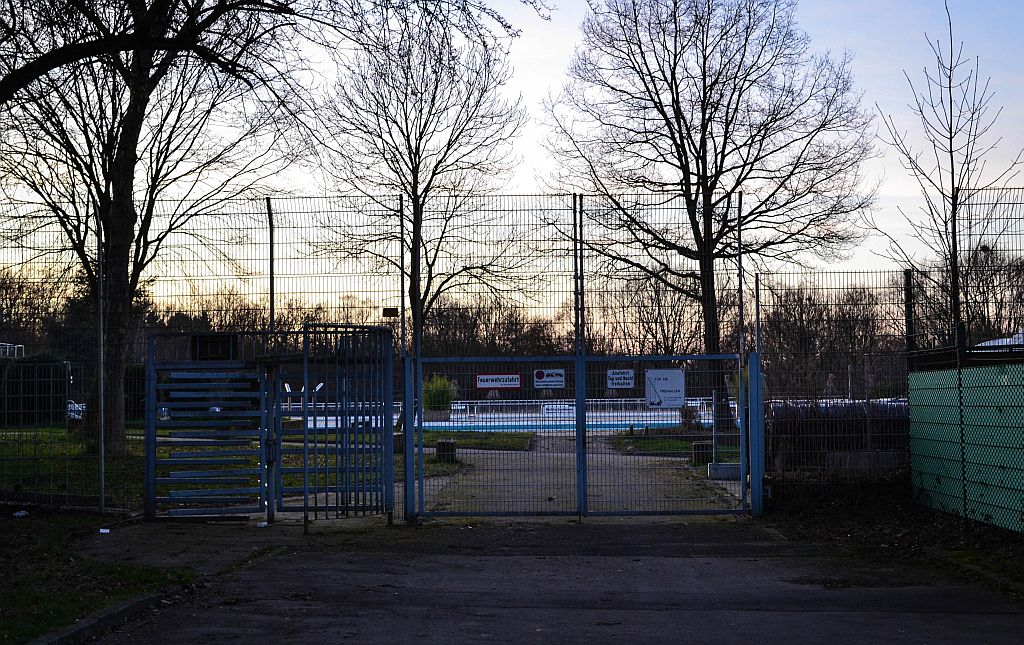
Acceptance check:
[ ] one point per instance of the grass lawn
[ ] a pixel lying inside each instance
(51, 466)
(48, 465)
(480, 440)
(47, 587)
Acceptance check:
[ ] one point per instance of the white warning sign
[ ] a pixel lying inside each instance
(666, 388)
(620, 379)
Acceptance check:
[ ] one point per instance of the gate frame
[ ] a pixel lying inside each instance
(270, 400)
(751, 433)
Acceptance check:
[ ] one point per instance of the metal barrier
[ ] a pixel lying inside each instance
(267, 423)
(640, 435)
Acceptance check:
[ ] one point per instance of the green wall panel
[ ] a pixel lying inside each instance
(992, 432)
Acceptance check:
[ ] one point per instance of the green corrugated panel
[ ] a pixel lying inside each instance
(1006, 437)
(993, 432)
(940, 501)
(993, 456)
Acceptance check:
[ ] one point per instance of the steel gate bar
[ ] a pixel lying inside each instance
(756, 436)
(150, 477)
(409, 440)
(581, 435)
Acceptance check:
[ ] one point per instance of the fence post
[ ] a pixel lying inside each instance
(908, 314)
(581, 360)
(756, 443)
(150, 477)
(270, 222)
(581, 435)
(388, 404)
(101, 376)
(757, 312)
(408, 432)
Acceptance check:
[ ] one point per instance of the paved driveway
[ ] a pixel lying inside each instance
(698, 581)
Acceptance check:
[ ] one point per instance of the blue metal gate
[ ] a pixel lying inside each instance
(265, 423)
(583, 435)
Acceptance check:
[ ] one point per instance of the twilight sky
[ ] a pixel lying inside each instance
(885, 37)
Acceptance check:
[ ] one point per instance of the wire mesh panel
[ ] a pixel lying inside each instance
(663, 435)
(978, 299)
(644, 288)
(35, 427)
(497, 437)
(833, 347)
(498, 276)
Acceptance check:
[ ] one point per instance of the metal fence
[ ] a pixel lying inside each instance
(835, 367)
(500, 276)
(984, 301)
(575, 435)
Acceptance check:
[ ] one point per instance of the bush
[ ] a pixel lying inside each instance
(33, 391)
(135, 394)
(438, 393)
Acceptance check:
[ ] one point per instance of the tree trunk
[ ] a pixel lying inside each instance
(415, 284)
(120, 268)
(717, 383)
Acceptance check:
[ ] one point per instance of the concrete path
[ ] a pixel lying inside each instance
(544, 480)
(628, 581)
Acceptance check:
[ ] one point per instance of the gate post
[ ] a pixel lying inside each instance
(756, 424)
(388, 422)
(581, 435)
(150, 477)
(408, 430)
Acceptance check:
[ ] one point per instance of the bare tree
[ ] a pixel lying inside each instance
(831, 343)
(956, 114)
(643, 316)
(35, 40)
(134, 146)
(485, 325)
(419, 112)
(702, 101)
(30, 300)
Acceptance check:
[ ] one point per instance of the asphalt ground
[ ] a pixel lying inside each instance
(704, 580)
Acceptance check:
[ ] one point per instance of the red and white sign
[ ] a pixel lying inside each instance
(498, 382)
